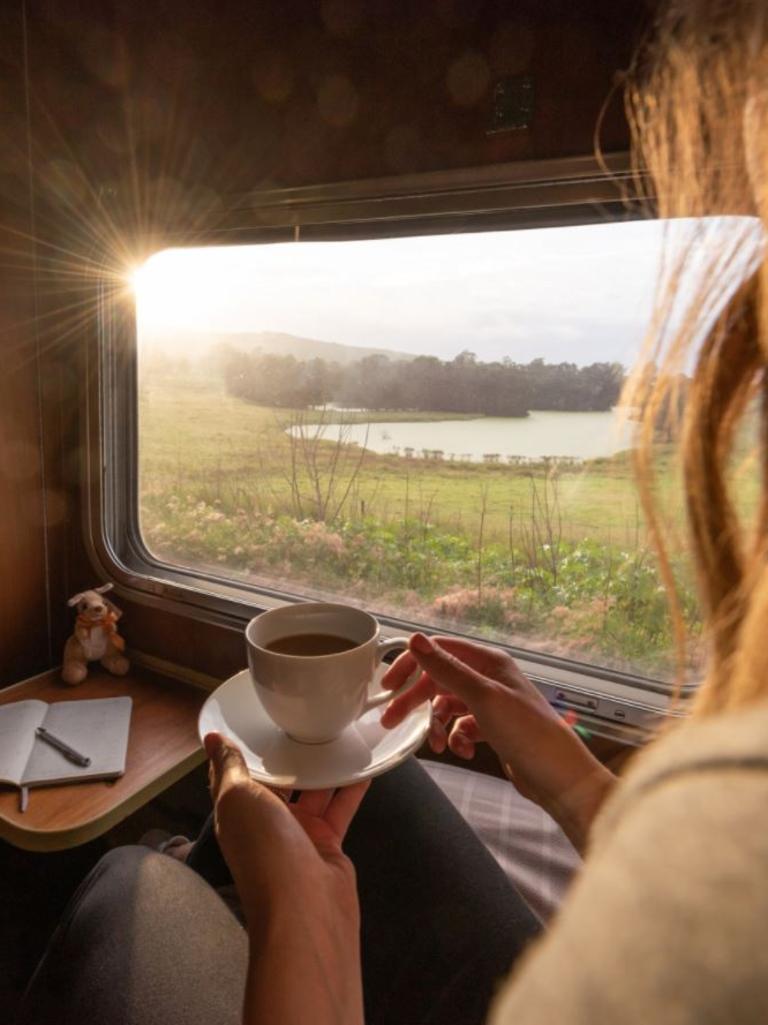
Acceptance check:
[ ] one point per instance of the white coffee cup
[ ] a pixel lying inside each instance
(313, 698)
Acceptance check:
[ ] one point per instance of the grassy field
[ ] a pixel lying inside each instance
(552, 557)
(222, 448)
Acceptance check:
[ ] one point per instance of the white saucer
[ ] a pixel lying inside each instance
(363, 750)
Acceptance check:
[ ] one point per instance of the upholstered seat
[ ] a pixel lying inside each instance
(528, 844)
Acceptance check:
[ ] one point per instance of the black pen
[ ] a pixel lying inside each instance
(69, 752)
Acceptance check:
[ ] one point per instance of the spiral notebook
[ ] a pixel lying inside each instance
(97, 729)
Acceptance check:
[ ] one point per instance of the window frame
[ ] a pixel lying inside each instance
(521, 195)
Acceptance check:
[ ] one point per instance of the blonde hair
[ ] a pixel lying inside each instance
(697, 101)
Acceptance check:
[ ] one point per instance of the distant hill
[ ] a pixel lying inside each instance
(199, 344)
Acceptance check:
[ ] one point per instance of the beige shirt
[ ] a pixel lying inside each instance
(667, 922)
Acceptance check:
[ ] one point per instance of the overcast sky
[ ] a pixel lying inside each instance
(581, 294)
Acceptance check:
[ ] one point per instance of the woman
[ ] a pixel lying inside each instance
(665, 922)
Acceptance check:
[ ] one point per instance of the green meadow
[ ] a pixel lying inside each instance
(540, 554)
(219, 447)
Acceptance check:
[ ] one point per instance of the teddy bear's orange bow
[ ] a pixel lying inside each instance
(108, 623)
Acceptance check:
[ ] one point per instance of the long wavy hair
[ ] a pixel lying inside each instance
(697, 100)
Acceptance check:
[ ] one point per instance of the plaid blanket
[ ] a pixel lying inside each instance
(529, 846)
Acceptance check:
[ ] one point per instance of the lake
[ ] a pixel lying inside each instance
(572, 435)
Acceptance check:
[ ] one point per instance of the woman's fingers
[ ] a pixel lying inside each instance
(465, 733)
(466, 726)
(315, 802)
(227, 766)
(461, 748)
(449, 664)
(449, 673)
(438, 737)
(485, 659)
(343, 807)
(284, 793)
(400, 706)
(336, 807)
(447, 706)
(399, 671)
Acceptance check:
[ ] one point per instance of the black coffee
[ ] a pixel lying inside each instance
(311, 644)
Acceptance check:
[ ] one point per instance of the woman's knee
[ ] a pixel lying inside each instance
(142, 916)
(125, 865)
(119, 874)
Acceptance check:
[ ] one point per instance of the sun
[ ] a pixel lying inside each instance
(138, 278)
(161, 287)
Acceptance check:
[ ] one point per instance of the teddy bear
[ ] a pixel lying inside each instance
(95, 637)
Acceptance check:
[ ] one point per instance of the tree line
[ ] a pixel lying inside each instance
(462, 385)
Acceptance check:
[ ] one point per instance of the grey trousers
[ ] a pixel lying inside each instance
(147, 940)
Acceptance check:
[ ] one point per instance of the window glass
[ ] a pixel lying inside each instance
(425, 426)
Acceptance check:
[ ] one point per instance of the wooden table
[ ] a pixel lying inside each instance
(162, 747)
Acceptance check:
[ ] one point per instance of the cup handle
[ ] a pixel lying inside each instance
(387, 695)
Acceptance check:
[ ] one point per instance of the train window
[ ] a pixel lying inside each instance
(427, 426)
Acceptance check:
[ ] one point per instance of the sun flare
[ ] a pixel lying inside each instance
(137, 278)
(162, 287)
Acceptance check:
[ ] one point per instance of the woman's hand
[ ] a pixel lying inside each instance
(298, 893)
(478, 693)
